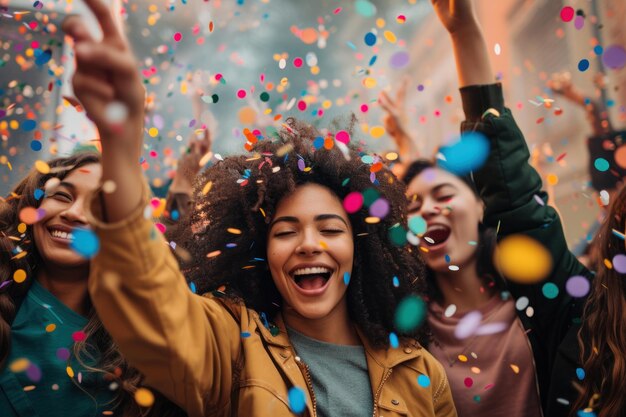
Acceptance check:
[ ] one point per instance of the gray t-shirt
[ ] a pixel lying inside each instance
(339, 374)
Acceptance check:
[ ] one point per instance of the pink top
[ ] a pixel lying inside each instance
(491, 369)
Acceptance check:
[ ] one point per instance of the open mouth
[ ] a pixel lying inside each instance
(436, 235)
(311, 278)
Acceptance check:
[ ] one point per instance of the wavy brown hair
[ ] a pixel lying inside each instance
(602, 337)
(98, 342)
(276, 168)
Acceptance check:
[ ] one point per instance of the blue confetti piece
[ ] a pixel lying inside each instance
(396, 282)
(583, 65)
(85, 243)
(28, 125)
(43, 58)
(393, 340)
(175, 215)
(297, 400)
(39, 193)
(192, 287)
(598, 49)
(245, 334)
(447, 258)
(318, 142)
(465, 155)
(370, 39)
(351, 45)
(583, 413)
(373, 60)
(601, 164)
(423, 381)
(346, 278)
(35, 145)
(580, 374)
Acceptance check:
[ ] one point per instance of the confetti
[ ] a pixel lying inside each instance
(468, 325)
(144, 397)
(410, 313)
(619, 263)
(297, 400)
(577, 286)
(85, 242)
(522, 259)
(466, 154)
(423, 381)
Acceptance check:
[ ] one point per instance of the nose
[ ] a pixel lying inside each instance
(309, 243)
(75, 213)
(430, 208)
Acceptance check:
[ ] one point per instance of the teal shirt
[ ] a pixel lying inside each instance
(341, 381)
(44, 388)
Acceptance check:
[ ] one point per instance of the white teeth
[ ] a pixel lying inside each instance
(62, 235)
(315, 270)
(435, 227)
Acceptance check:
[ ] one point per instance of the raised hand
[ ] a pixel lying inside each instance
(108, 85)
(107, 82)
(455, 15)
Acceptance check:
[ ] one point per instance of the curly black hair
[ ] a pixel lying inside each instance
(241, 193)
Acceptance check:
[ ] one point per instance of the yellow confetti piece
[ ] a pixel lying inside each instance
(51, 327)
(19, 365)
(390, 36)
(552, 179)
(262, 212)
(153, 132)
(213, 254)
(42, 167)
(233, 231)
(29, 388)
(323, 245)
(144, 397)
(462, 358)
(19, 276)
(391, 156)
(377, 131)
(380, 23)
(284, 150)
(70, 371)
(522, 259)
(515, 368)
(370, 82)
(20, 255)
(372, 220)
(21, 228)
(207, 187)
(608, 263)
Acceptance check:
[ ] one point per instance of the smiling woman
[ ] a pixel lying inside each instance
(48, 328)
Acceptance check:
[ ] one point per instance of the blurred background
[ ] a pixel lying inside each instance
(252, 63)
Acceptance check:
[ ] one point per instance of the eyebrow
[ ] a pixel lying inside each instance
(67, 185)
(413, 197)
(318, 218)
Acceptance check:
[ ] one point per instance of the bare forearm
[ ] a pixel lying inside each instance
(472, 58)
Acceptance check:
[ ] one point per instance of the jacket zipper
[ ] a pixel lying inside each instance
(305, 369)
(380, 387)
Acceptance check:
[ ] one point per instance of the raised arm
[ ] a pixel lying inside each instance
(184, 344)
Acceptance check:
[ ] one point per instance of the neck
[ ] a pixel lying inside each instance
(71, 289)
(335, 327)
(463, 288)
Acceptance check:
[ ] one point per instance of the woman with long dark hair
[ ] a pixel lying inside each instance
(56, 358)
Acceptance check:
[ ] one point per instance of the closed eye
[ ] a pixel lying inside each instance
(332, 231)
(61, 196)
(285, 233)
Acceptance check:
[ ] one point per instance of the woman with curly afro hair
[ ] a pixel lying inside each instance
(309, 313)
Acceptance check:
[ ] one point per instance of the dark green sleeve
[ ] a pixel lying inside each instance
(515, 204)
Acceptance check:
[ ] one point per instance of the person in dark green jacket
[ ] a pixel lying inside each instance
(505, 356)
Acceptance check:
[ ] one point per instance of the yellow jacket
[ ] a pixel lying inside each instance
(215, 358)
